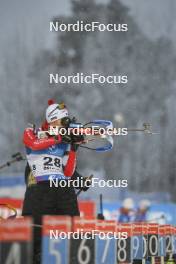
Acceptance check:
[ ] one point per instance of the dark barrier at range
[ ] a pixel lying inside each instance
(16, 241)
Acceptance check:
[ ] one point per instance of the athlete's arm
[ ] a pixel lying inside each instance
(71, 164)
(31, 141)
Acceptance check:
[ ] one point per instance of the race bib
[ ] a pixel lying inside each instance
(45, 164)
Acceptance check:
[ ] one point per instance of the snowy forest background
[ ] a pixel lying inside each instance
(146, 53)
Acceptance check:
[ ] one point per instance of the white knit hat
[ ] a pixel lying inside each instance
(55, 111)
(128, 203)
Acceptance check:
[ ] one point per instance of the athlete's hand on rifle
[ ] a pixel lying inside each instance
(66, 139)
(76, 140)
(83, 183)
(87, 182)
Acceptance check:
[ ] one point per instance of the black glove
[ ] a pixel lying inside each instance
(75, 140)
(87, 182)
(67, 139)
(84, 182)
